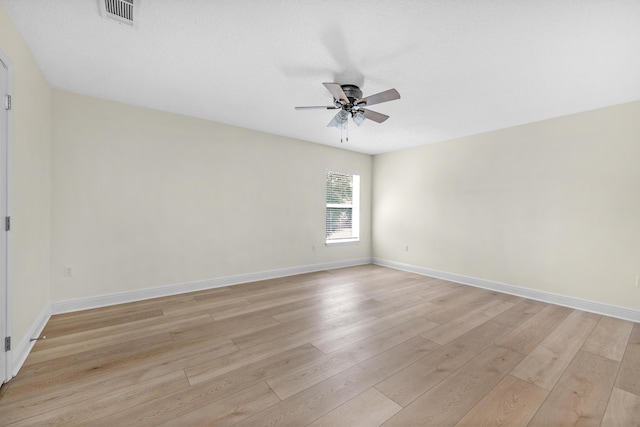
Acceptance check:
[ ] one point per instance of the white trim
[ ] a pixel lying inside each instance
(549, 297)
(24, 347)
(143, 294)
(354, 206)
(340, 242)
(7, 193)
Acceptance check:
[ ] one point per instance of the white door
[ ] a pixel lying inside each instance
(5, 368)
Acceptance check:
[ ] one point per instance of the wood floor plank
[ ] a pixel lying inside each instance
(205, 393)
(108, 403)
(3, 389)
(320, 399)
(529, 334)
(330, 309)
(97, 322)
(265, 311)
(448, 331)
(74, 367)
(453, 397)
(581, 395)
(228, 411)
(544, 365)
(609, 338)
(217, 305)
(391, 306)
(366, 329)
(282, 329)
(370, 408)
(295, 292)
(309, 374)
(119, 311)
(623, 410)
(242, 357)
(110, 361)
(297, 297)
(266, 368)
(520, 312)
(628, 378)
(446, 294)
(408, 384)
(465, 300)
(228, 328)
(129, 307)
(512, 402)
(163, 323)
(44, 400)
(110, 337)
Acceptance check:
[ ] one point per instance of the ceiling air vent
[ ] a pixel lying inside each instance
(121, 11)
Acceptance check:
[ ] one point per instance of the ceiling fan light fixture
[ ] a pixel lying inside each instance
(340, 120)
(358, 118)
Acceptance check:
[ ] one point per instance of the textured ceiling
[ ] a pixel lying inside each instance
(461, 67)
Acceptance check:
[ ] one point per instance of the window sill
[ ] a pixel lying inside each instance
(342, 242)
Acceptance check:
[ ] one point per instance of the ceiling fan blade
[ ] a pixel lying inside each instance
(387, 95)
(373, 115)
(336, 91)
(318, 107)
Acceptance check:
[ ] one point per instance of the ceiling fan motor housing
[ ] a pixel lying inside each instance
(353, 92)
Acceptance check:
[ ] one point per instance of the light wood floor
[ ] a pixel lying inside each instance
(361, 346)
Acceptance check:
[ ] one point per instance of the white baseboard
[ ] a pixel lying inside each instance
(181, 288)
(563, 300)
(19, 355)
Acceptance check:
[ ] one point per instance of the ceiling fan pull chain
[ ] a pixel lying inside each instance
(347, 128)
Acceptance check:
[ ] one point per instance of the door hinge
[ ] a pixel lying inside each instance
(7, 223)
(7, 343)
(7, 102)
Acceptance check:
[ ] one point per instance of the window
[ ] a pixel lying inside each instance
(343, 207)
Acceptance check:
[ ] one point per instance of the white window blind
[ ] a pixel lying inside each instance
(343, 207)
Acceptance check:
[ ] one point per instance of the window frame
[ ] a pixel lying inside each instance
(354, 206)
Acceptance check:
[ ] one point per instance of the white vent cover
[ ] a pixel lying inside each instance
(121, 11)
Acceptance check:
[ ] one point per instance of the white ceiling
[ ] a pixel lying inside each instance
(461, 67)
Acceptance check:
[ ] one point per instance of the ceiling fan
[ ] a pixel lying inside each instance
(348, 99)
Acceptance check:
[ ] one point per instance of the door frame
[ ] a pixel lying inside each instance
(6, 360)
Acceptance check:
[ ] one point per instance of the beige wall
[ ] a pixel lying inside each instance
(552, 206)
(143, 199)
(30, 187)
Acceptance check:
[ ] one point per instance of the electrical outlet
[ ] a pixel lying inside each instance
(68, 271)
(313, 248)
(406, 248)
(637, 281)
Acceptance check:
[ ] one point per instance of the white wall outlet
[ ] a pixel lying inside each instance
(313, 248)
(406, 248)
(637, 281)
(68, 271)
